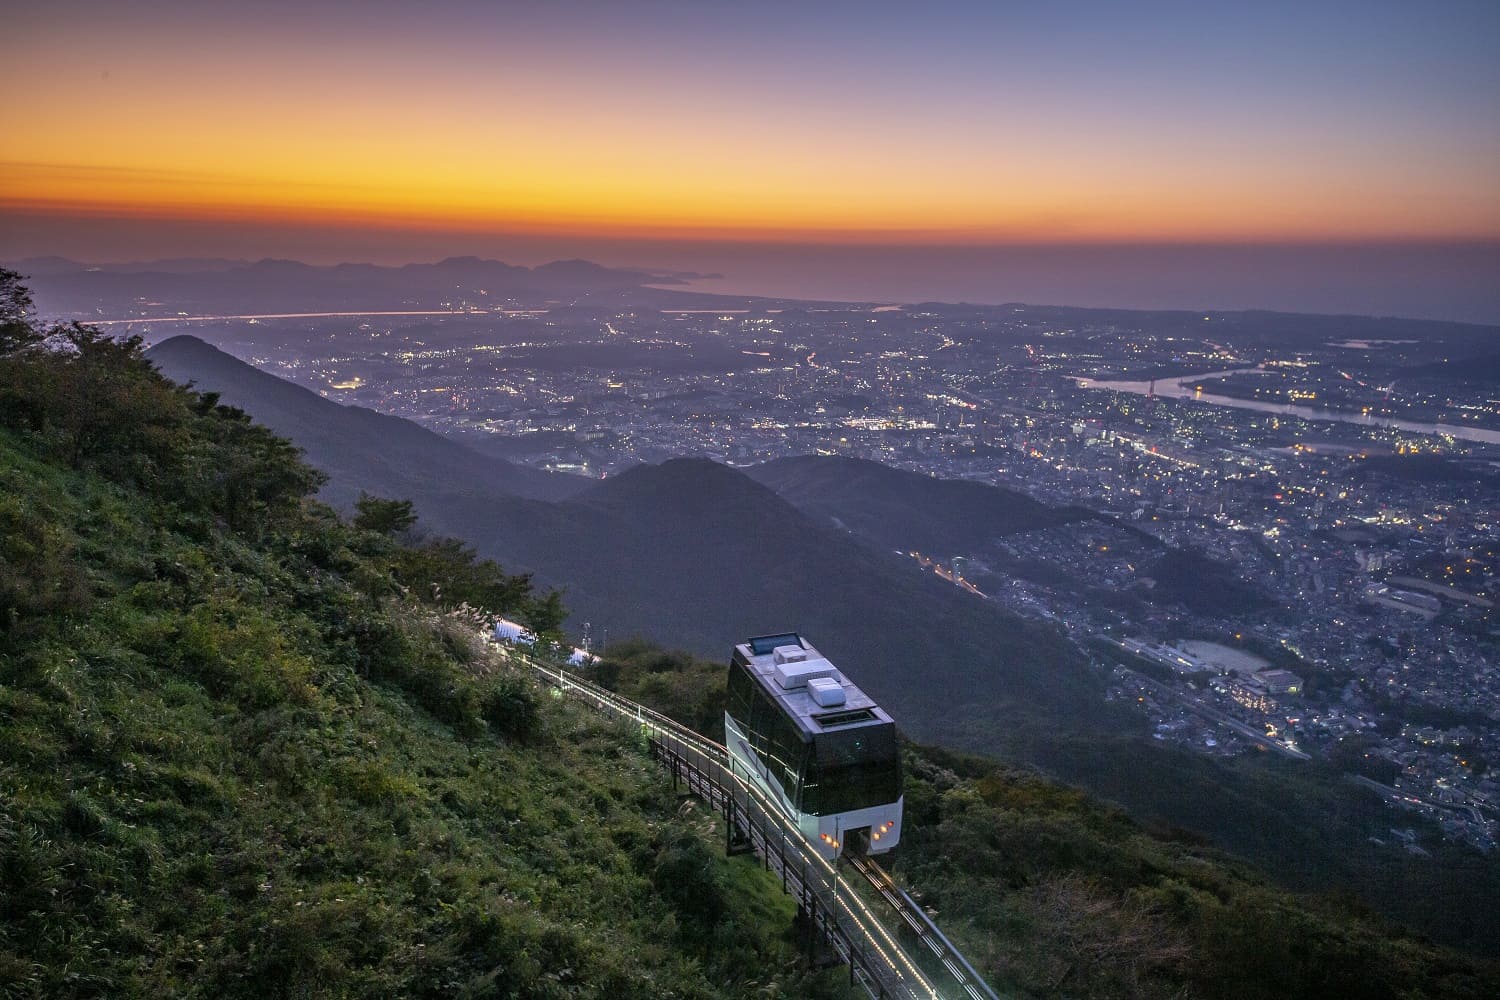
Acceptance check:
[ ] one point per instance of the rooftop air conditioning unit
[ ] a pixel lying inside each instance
(826, 691)
(788, 654)
(795, 675)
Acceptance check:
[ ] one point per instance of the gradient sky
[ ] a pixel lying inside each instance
(854, 123)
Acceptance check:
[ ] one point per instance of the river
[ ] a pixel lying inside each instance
(1182, 388)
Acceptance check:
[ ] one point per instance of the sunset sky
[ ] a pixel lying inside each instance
(350, 127)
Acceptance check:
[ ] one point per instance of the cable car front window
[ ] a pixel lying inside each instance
(852, 770)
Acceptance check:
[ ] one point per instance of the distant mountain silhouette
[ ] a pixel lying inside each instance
(42, 266)
(905, 510)
(224, 287)
(357, 447)
(1483, 369)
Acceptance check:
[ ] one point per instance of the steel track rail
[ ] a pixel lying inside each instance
(916, 918)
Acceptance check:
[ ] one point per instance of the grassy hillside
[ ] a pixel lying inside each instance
(238, 757)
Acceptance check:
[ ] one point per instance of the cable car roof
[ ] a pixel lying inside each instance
(801, 665)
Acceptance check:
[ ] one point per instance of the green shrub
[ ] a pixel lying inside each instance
(509, 705)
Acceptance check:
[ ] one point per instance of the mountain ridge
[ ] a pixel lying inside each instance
(906, 510)
(219, 287)
(338, 438)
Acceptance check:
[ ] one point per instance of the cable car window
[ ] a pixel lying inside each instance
(852, 770)
(773, 736)
(761, 645)
(740, 693)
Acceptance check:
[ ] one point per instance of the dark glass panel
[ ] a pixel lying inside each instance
(854, 769)
(761, 645)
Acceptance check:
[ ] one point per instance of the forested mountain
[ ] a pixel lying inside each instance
(249, 747)
(692, 552)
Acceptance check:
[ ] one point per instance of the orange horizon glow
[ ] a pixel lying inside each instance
(641, 210)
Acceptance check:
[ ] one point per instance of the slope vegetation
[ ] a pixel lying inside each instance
(238, 757)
